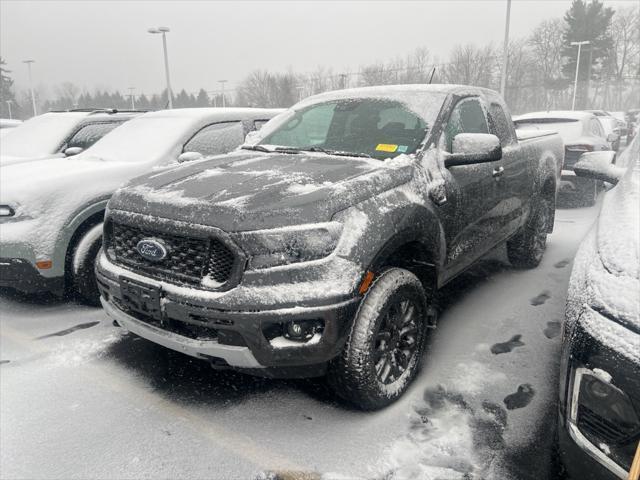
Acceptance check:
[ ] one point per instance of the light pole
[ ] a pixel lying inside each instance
(9, 107)
(163, 31)
(505, 51)
(222, 82)
(575, 82)
(33, 96)
(133, 101)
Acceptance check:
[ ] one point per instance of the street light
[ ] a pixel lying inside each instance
(222, 82)
(33, 96)
(163, 31)
(132, 96)
(9, 102)
(505, 51)
(575, 82)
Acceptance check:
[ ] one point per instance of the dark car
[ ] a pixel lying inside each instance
(599, 414)
(319, 248)
(60, 134)
(581, 132)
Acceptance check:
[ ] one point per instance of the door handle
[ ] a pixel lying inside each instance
(498, 172)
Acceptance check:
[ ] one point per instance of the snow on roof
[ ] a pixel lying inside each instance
(216, 113)
(559, 114)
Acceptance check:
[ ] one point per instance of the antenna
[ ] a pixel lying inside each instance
(432, 74)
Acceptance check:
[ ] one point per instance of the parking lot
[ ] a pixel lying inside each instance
(80, 398)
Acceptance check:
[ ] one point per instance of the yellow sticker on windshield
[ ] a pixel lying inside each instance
(386, 147)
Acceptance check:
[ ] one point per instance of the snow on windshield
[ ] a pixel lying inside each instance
(41, 135)
(142, 139)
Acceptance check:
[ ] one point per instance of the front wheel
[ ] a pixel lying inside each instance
(526, 248)
(83, 265)
(382, 354)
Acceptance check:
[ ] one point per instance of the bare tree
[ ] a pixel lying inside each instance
(471, 65)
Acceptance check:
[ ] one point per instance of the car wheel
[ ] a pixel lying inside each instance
(590, 196)
(83, 264)
(384, 348)
(526, 248)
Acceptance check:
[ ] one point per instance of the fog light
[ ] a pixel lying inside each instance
(302, 330)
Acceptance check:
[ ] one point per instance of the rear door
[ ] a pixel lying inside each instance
(471, 214)
(515, 180)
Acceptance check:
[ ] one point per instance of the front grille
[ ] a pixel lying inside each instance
(595, 426)
(188, 259)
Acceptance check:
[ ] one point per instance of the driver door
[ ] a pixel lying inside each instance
(472, 214)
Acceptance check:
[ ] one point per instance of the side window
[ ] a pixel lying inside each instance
(216, 139)
(500, 125)
(259, 123)
(467, 117)
(90, 134)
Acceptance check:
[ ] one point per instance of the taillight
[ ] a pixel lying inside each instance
(580, 148)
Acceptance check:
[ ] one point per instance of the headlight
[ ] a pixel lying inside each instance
(603, 419)
(282, 246)
(6, 211)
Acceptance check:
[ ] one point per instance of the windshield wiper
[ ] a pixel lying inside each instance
(336, 152)
(258, 148)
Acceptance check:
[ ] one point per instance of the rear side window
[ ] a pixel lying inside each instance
(90, 134)
(216, 139)
(467, 117)
(500, 125)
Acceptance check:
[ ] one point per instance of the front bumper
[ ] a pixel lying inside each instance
(20, 274)
(237, 337)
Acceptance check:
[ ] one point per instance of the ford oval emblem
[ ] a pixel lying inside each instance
(151, 249)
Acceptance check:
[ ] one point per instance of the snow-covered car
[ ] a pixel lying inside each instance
(613, 125)
(581, 132)
(599, 409)
(8, 124)
(51, 211)
(318, 247)
(59, 134)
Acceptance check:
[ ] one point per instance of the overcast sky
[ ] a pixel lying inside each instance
(105, 43)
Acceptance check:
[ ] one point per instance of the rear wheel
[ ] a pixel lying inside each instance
(590, 195)
(526, 248)
(385, 345)
(83, 265)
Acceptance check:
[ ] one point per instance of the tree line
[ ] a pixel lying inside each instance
(541, 70)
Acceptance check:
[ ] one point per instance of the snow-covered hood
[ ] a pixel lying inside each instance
(250, 190)
(613, 281)
(62, 185)
(6, 160)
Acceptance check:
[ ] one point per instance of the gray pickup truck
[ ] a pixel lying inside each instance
(319, 247)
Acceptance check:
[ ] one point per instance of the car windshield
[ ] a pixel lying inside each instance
(569, 130)
(41, 135)
(143, 139)
(377, 127)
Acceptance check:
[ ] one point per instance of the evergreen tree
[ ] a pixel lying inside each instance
(202, 100)
(586, 21)
(6, 93)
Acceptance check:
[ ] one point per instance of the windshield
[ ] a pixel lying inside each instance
(378, 127)
(569, 130)
(41, 135)
(146, 138)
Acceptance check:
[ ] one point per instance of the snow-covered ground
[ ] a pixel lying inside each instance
(79, 399)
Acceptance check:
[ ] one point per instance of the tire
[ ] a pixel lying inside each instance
(590, 196)
(368, 373)
(526, 248)
(83, 263)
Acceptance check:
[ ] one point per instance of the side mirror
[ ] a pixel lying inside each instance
(599, 166)
(612, 137)
(71, 151)
(189, 157)
(470, 148)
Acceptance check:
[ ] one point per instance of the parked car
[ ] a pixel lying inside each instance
(613, 127)
(59, 134)
(581, 132)
(599, 408)
(51, 211)
(8, 124)
(318, 248)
